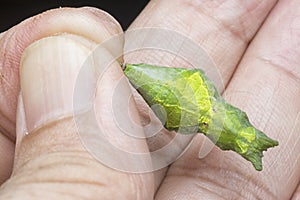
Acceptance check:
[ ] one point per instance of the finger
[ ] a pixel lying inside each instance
(81, 21)
(222, 30)
(14, 41)
(212, 26)
(6, 144)
(54, 160)
(266, 85)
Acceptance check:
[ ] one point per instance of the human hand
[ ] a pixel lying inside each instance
(51, 162)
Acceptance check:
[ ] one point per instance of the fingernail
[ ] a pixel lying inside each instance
(49, 68)
(206, 147)
(21, 128)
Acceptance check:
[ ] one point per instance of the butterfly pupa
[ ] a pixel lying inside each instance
(192, 104)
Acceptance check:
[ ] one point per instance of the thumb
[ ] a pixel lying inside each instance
(51, 160)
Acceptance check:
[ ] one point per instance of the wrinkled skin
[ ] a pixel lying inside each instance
(254, 44)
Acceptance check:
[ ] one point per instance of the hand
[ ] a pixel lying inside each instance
(51, 162)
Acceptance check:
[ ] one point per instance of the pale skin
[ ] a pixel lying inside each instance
(256, 49)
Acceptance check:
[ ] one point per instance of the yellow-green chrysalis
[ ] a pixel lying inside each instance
(189, 103)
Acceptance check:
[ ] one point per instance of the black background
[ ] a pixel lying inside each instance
(12, 12)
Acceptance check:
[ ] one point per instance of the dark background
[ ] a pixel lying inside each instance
(12, 11)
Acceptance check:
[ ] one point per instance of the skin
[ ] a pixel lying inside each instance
(262, 78)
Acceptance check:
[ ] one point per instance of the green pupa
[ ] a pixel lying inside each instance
(189, 103)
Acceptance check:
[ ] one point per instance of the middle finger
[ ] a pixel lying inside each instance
(222, 28)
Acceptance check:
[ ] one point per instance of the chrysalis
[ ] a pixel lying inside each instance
(189, 103)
